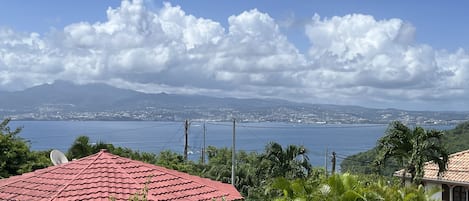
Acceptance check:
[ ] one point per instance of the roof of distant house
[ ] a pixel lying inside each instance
(103, 176)
(457, 171)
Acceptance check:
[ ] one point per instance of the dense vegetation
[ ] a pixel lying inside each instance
(411, 148)
(454, 140)
(457, 139)
(15, 154)
(277, 173)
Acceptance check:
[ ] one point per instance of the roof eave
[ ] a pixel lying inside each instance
(444, 181)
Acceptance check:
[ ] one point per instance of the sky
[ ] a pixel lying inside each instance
(382, 54)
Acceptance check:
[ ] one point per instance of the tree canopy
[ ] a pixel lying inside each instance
(454, 140)
(412, 148)
(15, 154)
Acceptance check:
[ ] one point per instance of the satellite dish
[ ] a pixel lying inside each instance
(57, 157)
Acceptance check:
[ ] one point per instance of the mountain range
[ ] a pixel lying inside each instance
(64, 100)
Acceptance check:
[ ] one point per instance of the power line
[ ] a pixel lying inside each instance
(299, 126)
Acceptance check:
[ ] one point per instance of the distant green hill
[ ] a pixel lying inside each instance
(62, 99)
(455, 140)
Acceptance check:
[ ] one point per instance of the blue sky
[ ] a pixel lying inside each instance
(439, 23)
(400, 54)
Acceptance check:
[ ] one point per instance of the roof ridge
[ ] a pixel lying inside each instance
(124, 171)
(459, 153)
(182, 175)
(453, 155)
(81, 171)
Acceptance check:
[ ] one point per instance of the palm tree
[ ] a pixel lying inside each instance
(412, 148)
(292, 162)
(298, 189)
(346, 187)
(81, 147)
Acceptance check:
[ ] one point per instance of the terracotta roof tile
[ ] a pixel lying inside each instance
(457, 170)
(104, 175)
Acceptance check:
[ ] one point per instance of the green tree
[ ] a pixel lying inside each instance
(219, 164)
(36, 160)
(81, 147)
(15, 155)
(458, 138)
(292, 162)
(13, 150)
(412, 148)
(250, 177)
(300, 189)
(346, 187)
(175, 161)
(342, 187)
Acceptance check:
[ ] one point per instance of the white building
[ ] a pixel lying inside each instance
(454, 182)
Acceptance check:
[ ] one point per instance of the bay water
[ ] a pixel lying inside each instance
(149, 136)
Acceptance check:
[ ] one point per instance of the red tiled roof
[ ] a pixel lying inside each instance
(103, 176)
(457, 170)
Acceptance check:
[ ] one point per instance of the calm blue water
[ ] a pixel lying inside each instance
(157, 136)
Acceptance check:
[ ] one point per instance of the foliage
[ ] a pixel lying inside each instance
(362, 163)
(219, 164)
(291, 162)
(248, 178)
(347, 187)
(15, 155)
(81, 147)
(13, 150)
(296, 189)
(456, 140)
(412, 148)
(254, 171)
(176, 161)
(36, 160)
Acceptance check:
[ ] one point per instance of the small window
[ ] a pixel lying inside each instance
(459, 193)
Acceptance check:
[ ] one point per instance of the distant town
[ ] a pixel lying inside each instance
(282, 114)
(99, 102)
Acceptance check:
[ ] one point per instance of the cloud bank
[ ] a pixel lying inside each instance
(352, 59)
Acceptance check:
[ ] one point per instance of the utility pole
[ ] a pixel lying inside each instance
(203, 148)
(333, 161)
(325, 161)
(233, 154)
(186, 133)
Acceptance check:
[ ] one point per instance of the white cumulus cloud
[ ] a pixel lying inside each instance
(352, 59)
(377, 60)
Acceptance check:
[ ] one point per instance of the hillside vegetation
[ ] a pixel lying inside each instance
(455, 140)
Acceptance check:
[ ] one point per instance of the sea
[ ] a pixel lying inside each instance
(320, 140)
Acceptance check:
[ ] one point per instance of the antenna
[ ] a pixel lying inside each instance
(57, 157)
